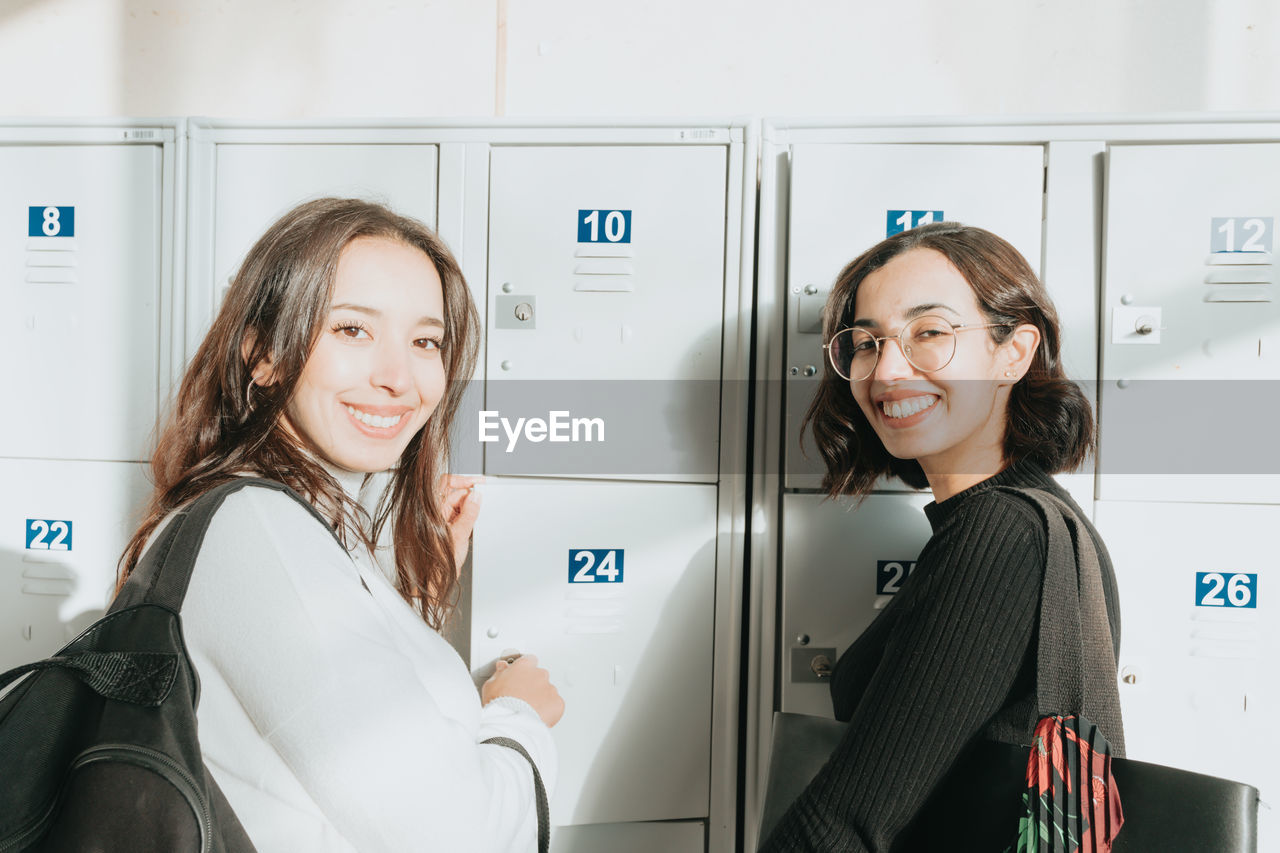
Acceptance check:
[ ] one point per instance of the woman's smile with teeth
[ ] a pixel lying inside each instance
(908, 407)
(373, 420)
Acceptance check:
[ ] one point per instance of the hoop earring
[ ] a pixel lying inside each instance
(248, 394)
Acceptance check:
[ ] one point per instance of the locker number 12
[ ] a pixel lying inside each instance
(595, 565)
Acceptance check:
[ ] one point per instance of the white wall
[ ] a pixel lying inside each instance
(600, 58)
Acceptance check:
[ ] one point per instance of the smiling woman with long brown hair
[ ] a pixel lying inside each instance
(944, 371)
(332, 715)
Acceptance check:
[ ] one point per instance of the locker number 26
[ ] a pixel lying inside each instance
(604, 226)
(1220, 589)
(595, 565)
(48, 534)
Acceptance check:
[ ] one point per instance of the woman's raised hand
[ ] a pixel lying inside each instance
(524, 679)
(460, 500)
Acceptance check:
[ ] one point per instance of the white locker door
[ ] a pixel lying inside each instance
(606, 293)
(256, 184)
(1191, 324)
(847, 198)
(840, 566)
(81, 338)
(1199, 640)
(59, 544)
(611, 585)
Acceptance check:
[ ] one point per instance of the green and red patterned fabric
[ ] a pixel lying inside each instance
(1071, 801)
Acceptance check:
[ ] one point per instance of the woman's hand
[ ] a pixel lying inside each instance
(524, 679)
(460, 501)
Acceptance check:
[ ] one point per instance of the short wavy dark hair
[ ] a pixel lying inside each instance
(1049, 419)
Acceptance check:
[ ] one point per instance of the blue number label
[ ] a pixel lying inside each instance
(47, 221)
(897, 221)
(1222, 589)
(595, 565)
(1240, 234)
(890, 574)
(604, 226)
(48, 534)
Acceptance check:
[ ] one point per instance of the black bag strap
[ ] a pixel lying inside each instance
(539, 790)
(164, 572)
(1075, 655)
(140, 678)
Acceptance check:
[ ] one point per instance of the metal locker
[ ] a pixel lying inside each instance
(1190, 324)
(843, 565)
(59, 547)
(606, 296)
(1199, 636)
(255, 183)
(612, 586)
(82, 338)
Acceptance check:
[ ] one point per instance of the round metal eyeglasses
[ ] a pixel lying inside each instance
(928, 343)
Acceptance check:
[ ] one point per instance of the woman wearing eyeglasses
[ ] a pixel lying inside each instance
(944, 372)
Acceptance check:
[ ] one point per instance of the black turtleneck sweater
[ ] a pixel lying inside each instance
(951, 658)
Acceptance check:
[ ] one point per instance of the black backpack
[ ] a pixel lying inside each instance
(98, 747)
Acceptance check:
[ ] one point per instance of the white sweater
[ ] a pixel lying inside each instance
(334, 718)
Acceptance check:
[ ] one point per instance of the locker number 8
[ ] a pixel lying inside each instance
(50, 221)
(595, 565)
(1240, 589)
(47, 534)
(617, 226)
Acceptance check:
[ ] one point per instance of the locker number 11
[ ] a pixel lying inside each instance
(897, 221)
(595, 565)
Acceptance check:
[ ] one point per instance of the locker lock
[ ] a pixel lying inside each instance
(515, 311)
(810, 370)
(810, 289)
(524, 311)
(811, 665)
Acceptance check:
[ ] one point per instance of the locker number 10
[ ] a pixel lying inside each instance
(1220, 589)
(595, 565)
(604, 226)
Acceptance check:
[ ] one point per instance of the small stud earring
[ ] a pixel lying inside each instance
(1008, 373)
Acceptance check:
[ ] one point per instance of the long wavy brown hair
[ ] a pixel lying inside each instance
(1048, 419)
(219, 427)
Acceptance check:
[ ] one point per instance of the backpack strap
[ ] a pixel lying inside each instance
(1075, 654)
(539, 791)
(164, 572)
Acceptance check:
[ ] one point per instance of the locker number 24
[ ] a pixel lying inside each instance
(48, 534)
(595, 565)
(1223, 589)
(604, 226)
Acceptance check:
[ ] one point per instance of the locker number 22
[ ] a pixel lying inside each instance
(604, 226)
(1220, 589)
(595, 565)
(48, 534)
